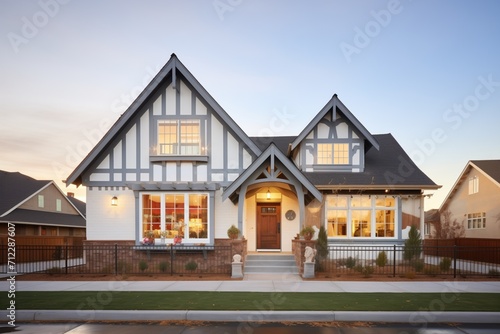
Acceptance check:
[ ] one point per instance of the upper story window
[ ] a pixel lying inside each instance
(333, 154)
(41, 201)
(179, 137)
(473, 185)
(58, 205)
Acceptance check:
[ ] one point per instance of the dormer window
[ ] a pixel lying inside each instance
(179, 137)
(333, 154)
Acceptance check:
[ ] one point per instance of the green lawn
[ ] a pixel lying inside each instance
(88, 300)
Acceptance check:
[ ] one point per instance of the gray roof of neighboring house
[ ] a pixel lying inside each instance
(389, 167)
(44, 218)
(15, 188)
(431, 216)
(490, 167)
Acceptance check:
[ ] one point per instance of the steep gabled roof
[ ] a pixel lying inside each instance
(172, 68)
(489, 168)
(336, 105)
(17, 188)
(272, 151)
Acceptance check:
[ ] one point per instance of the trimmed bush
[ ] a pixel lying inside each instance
(143, 265)
(164, 266)
(381, 259)
(350, 262)
(445, 264)
(418, 265)
(191, 265)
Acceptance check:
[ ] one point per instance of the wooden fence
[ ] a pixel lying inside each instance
(473, 249)
(55, 247)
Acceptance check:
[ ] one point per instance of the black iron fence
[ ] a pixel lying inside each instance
(120, 259)
(390, 261)
(407, 262)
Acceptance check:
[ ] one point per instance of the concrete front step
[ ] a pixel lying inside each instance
(275, 264)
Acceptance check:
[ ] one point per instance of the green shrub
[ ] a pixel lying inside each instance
(358, 268)
(191, 265)
(350, 262)
(418, 265)
(381, 259)
(367, 271)
(164, 266)
(413, 245)
(143, 265)
(445, 264)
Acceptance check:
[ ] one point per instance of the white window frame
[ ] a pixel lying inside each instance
(476, 221)
(58, 205)
(41, 201)
(473, 185)
(373, 208)
(186, 239)
(180, 148)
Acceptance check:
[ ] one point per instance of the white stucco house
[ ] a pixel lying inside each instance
(176, 162)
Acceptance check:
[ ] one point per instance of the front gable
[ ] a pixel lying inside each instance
(173, 132)
(333, 141)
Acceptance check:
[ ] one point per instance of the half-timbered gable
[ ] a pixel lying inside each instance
(333, 141)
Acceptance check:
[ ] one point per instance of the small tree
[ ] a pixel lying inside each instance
(413, 245)
(447, 227)
(321, 249)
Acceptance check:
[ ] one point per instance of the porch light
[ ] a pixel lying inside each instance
(268, 196)
(114, 201)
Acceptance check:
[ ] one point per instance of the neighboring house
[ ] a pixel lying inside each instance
(431, 219)
(176, 162)
(38, 208)
(474, 199)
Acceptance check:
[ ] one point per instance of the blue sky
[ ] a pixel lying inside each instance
(426, 71)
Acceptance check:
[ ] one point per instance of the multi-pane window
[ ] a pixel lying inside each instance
(340, 154)
(336, 154)
(360, 216)
(173, 215)
(473, 185)
(179, 137)
(476, 220)
(325, 154)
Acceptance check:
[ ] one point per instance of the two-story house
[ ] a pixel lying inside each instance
(474, 199)
(176, 163)
(38, 208)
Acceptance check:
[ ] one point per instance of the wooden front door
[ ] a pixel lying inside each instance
(268, 226)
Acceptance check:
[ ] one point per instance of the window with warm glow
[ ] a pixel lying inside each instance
(325, 154)
(179, 137)
(340, 154)
(333, 154)
(171, 215)
(360, 216)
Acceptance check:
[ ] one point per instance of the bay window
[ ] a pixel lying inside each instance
(360, 216)
(174, 214)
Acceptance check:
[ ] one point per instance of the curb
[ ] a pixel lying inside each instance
(414, 317)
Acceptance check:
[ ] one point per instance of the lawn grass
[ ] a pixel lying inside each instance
(103, 300)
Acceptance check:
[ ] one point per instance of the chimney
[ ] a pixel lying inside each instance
(70, 194)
